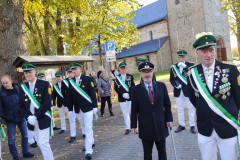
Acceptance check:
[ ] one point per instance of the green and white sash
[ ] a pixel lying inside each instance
(2, 133)
(80, 91)
(66, 82)
(36, 104)
(181, 77)
(58, 90)
(213, 104)
(123, 83)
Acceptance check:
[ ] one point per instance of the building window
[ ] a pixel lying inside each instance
(176, 2)
(151, 35)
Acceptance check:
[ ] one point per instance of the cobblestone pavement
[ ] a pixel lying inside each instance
(112, 144)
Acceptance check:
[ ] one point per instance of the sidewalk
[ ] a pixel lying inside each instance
(112, 144)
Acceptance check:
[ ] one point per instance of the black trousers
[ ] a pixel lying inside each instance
(161, 148)
(103, 103)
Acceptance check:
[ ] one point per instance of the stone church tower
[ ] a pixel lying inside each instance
(186, 18)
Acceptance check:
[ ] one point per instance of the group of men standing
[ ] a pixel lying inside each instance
(75, 95)
(212, 88)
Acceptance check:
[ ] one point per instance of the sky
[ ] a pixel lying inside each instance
(232, 38)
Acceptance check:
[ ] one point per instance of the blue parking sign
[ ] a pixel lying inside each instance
(109, 46)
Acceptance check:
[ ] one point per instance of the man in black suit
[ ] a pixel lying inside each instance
(151, 107)
(178, 79)
(35, 104)
(214, 92)
(83, 99)
(66, 99)
(123, 85)
(57, 94)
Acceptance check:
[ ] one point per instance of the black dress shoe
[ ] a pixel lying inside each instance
(28, 155)
(72, 139)
(127, 131)
(16, 158)
(34, 145)
(111, 114)
(84, 149)
(193, 130)
(84, 136)
(61, 132)
(88, 156)
(56, 128)
(180, 128)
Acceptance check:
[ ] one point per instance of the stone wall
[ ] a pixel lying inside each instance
(159, 29)
(217, 22)
(191, 17)
(185, 20)
(164, 57)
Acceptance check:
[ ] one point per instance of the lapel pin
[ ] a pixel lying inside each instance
(217, 95)
(224, 96)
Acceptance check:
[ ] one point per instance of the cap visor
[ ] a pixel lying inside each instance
(27, 70)
(207, 47)
(150, 69)
(182, 55)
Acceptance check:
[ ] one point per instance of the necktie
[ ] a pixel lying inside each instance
(181, 69)
(208, 71)
(150, 95)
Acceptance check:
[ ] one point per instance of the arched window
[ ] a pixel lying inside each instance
(221, 49)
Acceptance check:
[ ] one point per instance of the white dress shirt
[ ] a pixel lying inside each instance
(78, 79)
(123, 77)
(31, 88)
(181, 67)
(59, 85)
(146, 86)
(209, 78)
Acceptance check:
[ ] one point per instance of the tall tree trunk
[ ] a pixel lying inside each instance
(71, 31)
(100, 50)
(46, 27)
(59, 31)
(33, 34)
(44, 52)
(238, 34)
(11, 40)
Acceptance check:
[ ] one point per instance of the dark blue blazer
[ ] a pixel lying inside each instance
(151, 119)
(207, 120)
(174, 78)
(129, 81)
(55, 96)
(78, 101)
(42, 92)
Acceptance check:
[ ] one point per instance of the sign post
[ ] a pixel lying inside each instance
(110, 51)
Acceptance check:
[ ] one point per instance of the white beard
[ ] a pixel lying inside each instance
(147, 79)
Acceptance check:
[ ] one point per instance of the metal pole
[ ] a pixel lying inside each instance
(175, 152)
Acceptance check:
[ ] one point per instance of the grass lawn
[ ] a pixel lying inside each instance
(159, 75)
